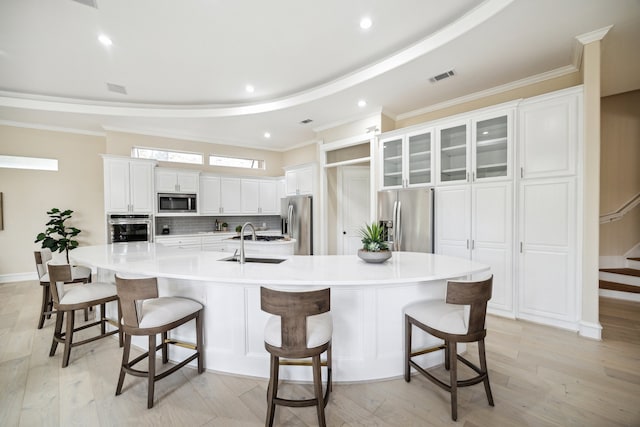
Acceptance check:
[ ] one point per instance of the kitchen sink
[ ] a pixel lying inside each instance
(255, 259)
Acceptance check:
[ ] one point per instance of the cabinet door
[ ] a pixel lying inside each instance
(291, 183)
(492, 238)
(547, 262)
(453, 221)
(269, 200)
(453, 146)
(392, 163)
(548, 136)
(230, 199)
(166, 181)
(210, 195)
(491, 148)
(141, 185)
(187, 182)
(250, 196)
(418, 163)
(116, 182)
(304, 178)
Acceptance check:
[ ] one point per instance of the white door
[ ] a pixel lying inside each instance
(354, 207)
(453, 221)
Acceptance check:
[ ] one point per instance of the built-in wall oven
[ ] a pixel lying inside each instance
(126, 228)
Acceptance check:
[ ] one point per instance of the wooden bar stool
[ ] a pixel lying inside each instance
(301, 327)
(67, 301)
(79, 274)
(452, 322)
(146, 314)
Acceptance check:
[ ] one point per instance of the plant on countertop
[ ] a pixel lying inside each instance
(238, 229)
(373, 238)
(59, 237)
(225, 226)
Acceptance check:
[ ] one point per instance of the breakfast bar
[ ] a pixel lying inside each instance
(366, 300)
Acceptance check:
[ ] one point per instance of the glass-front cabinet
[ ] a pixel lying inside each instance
(475, 150)
(454, 143)
(491, 147)
(407, 160)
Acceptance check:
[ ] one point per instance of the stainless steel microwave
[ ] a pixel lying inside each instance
(176, 203)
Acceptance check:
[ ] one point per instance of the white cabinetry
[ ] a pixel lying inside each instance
(477, 149)
(548, 214)
(128, 186)
(230, 195)
(216, 242)
(407, 160)
(259, 197)
(476, 222)
(176, 181)
(299, 180)
(182, 242)
(220, 195)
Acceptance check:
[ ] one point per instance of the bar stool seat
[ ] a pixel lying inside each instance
(301, 327)
(458, 319)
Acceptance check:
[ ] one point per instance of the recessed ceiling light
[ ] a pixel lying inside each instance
(362, 103)
(105, 40)
(249, 88)
(267, 135)
(365, 23)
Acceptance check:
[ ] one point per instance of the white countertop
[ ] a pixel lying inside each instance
(346, 270)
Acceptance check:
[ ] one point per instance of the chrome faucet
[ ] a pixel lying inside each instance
(242, 258)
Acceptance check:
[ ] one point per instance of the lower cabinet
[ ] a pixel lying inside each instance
(548, 250)
(476, 222)
(182, 242)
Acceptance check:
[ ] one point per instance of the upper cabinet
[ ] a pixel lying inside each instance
(128, 185)
(478, 149)
(259, 196)
(176, 181)
(549, 131)
(225, 195)
(407, 160)
(299, 180)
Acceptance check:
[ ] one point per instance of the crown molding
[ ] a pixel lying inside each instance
(51, 128)
(593, 36)
(558, 72)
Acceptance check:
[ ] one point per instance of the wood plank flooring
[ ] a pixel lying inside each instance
(540, 376)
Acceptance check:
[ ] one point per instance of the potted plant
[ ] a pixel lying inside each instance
(374, 248)
(58, 237)
(238, 229)
(225, 226)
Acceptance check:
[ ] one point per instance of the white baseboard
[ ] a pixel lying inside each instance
(18, 277)
(627, 296)
(590, 330)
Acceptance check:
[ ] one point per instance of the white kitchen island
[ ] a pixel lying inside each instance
(366, 301)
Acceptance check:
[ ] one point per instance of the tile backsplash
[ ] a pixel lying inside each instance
(197, 224)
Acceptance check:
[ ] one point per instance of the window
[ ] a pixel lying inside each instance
(167, 155)
(34, 163)
(236, 162)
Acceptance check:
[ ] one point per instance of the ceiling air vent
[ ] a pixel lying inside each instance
(111, 87)
(90, 3)
(306, 121)
(442, 76)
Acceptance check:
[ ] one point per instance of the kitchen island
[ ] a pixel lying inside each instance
(366, 301)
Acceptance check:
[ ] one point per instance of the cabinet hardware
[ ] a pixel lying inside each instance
(520, 247)
(473, 176)
(473, 244)
(467, 243)
(521, 172)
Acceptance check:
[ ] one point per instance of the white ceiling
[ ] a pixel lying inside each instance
(185, 64)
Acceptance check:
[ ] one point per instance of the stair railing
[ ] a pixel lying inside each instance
(622, 211)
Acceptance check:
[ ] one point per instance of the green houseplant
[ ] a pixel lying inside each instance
(238, 229)
(374, 247)
(59, 237)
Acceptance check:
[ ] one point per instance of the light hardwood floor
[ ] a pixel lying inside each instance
(540, 376)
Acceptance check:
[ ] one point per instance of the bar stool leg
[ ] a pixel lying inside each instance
(407, 348)
(483, 368)
(317, 385)
(152, 369)
(56, 333)
(125, 361)
(273, 390)
(68, 338)
(453, 375)
(45, 305)
(200, 342)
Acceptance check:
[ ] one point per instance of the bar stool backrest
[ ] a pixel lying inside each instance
(131, 293)
(43, 256)
(293, 309)
(475, 294)
(59, 274)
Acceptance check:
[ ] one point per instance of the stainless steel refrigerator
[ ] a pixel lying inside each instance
(297, 222)
(407, 216)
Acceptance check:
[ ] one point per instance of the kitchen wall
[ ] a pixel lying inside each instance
(198, 224)
(29, 194)
(619, 171)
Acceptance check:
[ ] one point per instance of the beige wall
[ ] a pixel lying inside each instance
(357, 127)
(546, 86)
(620, 171)
(299, 156)
(120, 143)
(28, 194)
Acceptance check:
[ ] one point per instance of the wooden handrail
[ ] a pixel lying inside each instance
(625, 208)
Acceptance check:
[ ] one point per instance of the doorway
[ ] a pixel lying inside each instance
(354, 201)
